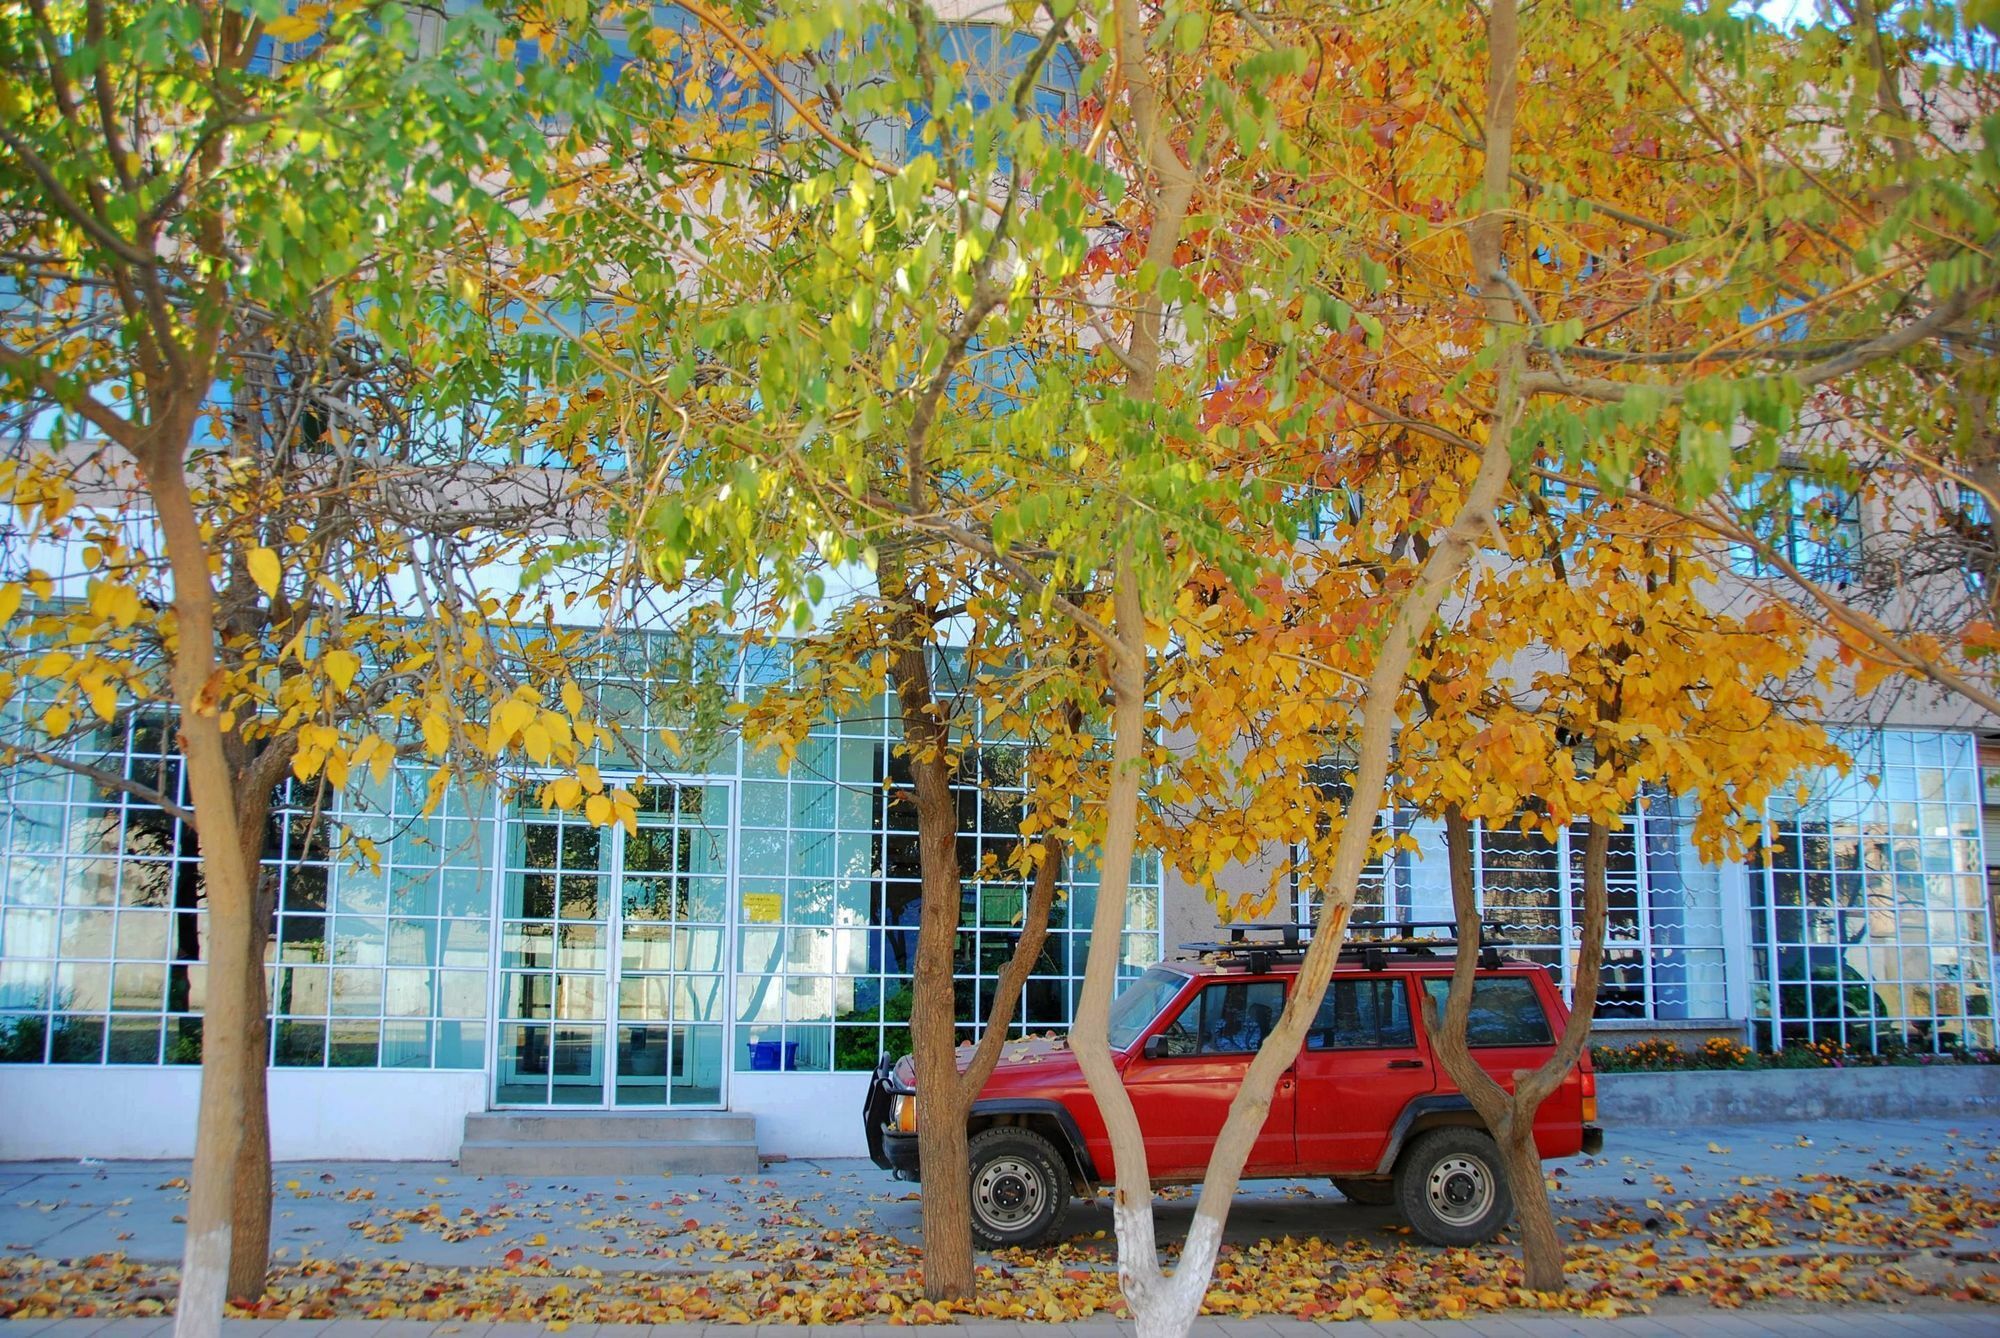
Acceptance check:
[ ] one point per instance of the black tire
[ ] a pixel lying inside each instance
(1452, 1189)
(1020, 1188)
(1373, 1193)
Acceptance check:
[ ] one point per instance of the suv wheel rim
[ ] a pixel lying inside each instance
(1460, 1190)
(1007, 1193)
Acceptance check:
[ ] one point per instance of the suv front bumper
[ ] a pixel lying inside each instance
(899, 1154)
(888, 1147)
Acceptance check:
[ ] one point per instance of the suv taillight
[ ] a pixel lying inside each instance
(1590, 1098)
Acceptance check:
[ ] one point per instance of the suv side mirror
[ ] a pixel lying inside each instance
(1155, 1047)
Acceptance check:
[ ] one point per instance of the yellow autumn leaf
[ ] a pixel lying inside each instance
(297, 26)
(381, 760)
(10, 600)
(264, 569)
(437, 734)
(572, 696)
(597, 809)
(103, 700)
(55, 720)
(557, 728)
(536, 743)
(562, 793)
(341, 666)
(513, 716)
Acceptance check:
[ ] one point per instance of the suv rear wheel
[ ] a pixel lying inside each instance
(1451, 1187)
(1020, 1188)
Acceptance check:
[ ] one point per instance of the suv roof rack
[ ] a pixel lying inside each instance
(1259, 947)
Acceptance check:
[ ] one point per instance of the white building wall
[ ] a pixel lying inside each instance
(64, 1112)
(803, 1114)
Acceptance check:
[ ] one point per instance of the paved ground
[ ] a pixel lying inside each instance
(1922, 1201)
(391, 1210)
(1926, 1324)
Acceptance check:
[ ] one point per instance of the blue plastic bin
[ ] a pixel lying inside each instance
(766, 1056)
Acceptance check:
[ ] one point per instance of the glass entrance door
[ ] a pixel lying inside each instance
(611, 956)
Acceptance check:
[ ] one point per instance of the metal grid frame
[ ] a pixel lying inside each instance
(1667, 937)
(1868, 902)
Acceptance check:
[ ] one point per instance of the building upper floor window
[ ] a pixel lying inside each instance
(1967, 519)
(1813, 525)
(986, 61)
(1322, 511)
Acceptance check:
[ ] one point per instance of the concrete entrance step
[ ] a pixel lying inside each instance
(608, 1143)
(590, 1126)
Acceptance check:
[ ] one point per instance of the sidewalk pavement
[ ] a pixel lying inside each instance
(432, 1214)
(1788, 1218)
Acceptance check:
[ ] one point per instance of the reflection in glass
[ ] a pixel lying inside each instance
(628, 921)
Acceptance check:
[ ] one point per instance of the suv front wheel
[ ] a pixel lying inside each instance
(1371, 1193)
(1020, 1188)
(1451, 1187)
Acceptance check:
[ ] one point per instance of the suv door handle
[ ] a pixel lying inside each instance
(1406, 1063)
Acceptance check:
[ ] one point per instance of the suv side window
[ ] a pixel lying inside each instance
(1505, 1011)
(1225, 1019)
(1363, 1015)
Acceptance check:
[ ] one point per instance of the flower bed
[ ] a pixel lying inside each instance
(1719, 1052)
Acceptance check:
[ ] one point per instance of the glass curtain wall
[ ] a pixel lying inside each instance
(376, 962)
(382, 956)
(1664, 951)
(1868, 910)
(830, 891)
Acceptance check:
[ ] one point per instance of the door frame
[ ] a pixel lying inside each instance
(504, 818)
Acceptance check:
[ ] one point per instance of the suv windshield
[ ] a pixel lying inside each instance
(1140, 1003)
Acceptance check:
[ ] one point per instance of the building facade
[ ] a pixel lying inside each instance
(1860, 915)
(748, 947)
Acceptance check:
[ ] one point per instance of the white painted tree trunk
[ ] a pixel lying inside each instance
(1165, 1305)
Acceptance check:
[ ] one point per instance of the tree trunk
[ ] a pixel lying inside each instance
(1147, 1291)
(211, 785)
(944, 1095)
(218, 1127)
(1510, 1116)
(941, 1104)
(1541, 1246)
(250, 1213)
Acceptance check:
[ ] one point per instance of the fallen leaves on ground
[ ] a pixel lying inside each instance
(1821, 1240)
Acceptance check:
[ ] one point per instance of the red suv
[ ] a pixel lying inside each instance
(1366, 1103)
